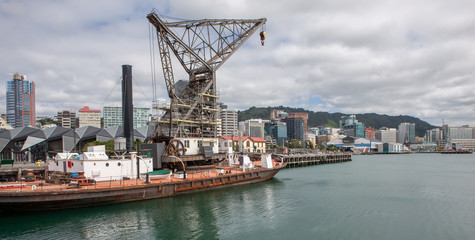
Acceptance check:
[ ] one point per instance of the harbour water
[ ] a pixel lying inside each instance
(409, 196)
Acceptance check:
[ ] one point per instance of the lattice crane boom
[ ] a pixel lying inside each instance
(201, 47)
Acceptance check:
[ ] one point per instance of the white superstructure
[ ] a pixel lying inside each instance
(98, 166)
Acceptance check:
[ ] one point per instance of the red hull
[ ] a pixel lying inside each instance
(46, 200)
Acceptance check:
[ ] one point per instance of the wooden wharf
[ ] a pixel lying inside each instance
(299, 160)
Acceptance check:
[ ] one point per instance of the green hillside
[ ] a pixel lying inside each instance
(332, 119)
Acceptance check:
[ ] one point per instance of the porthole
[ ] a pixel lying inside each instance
(72, 164)
(107, 164)
(118, 164)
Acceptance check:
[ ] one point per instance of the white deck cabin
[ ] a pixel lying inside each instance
(98, 166)
(193, 145)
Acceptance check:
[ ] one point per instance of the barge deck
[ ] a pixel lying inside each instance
(38, 195)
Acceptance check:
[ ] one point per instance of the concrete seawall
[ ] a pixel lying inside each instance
(312, 159)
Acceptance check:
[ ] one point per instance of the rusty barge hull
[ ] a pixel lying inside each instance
(61, 199)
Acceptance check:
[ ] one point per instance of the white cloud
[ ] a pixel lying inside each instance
(390, 57)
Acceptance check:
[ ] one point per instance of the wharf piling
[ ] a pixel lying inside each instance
(300, 160)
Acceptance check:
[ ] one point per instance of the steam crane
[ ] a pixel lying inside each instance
(201, 47)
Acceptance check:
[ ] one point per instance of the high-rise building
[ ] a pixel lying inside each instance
(434, 135)
(254, 128)
(303, 116)
(460, 133)
(89, 117)
(295, 128)
(21, 102)
(407, 133)
(229, 121)
(277, 130)
(113, 116)
(351, 127)
(67, 119)
(386, 135)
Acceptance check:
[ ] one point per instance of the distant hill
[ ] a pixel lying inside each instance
(326, 119)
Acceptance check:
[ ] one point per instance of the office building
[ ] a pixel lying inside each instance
(433, 135)
(67, 119)
(89, 117)
(277, 130)
(113, 116)
(229, 121)
(464, 132)
(295, 128)
(351, 127)
(254, 128)
(21, 102)
(407, 133)
(386, 135)
(303, 116)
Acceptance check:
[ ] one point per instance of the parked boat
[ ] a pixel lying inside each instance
(40, 195)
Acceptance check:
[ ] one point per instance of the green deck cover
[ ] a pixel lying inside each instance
(6, 161)
(160, 172)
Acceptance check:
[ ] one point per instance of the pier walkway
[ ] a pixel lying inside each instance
(311, 159)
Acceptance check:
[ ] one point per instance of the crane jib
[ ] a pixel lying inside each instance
(201, 47)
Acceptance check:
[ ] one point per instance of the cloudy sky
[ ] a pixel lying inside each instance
(395, 57)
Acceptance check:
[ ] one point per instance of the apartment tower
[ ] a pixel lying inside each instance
(21, 102)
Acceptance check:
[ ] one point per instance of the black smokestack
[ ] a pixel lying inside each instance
(127, 107)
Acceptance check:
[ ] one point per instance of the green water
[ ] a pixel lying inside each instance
(415, 196)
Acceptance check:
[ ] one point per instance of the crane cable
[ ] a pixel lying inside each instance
(140, 87)
(106, 99)
(152, 62)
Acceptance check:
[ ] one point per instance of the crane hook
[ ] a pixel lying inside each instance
(263, 37)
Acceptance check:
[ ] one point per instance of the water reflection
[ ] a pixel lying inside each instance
(214, 214)
(123, 224)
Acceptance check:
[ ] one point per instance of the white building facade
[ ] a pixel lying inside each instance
(89, 117)
(113, 116)
(229, 122)
(386, 135)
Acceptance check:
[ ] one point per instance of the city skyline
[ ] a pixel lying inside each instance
(389, 57)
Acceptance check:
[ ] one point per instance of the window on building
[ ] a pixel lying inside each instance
(248, 144)
(187, 143)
